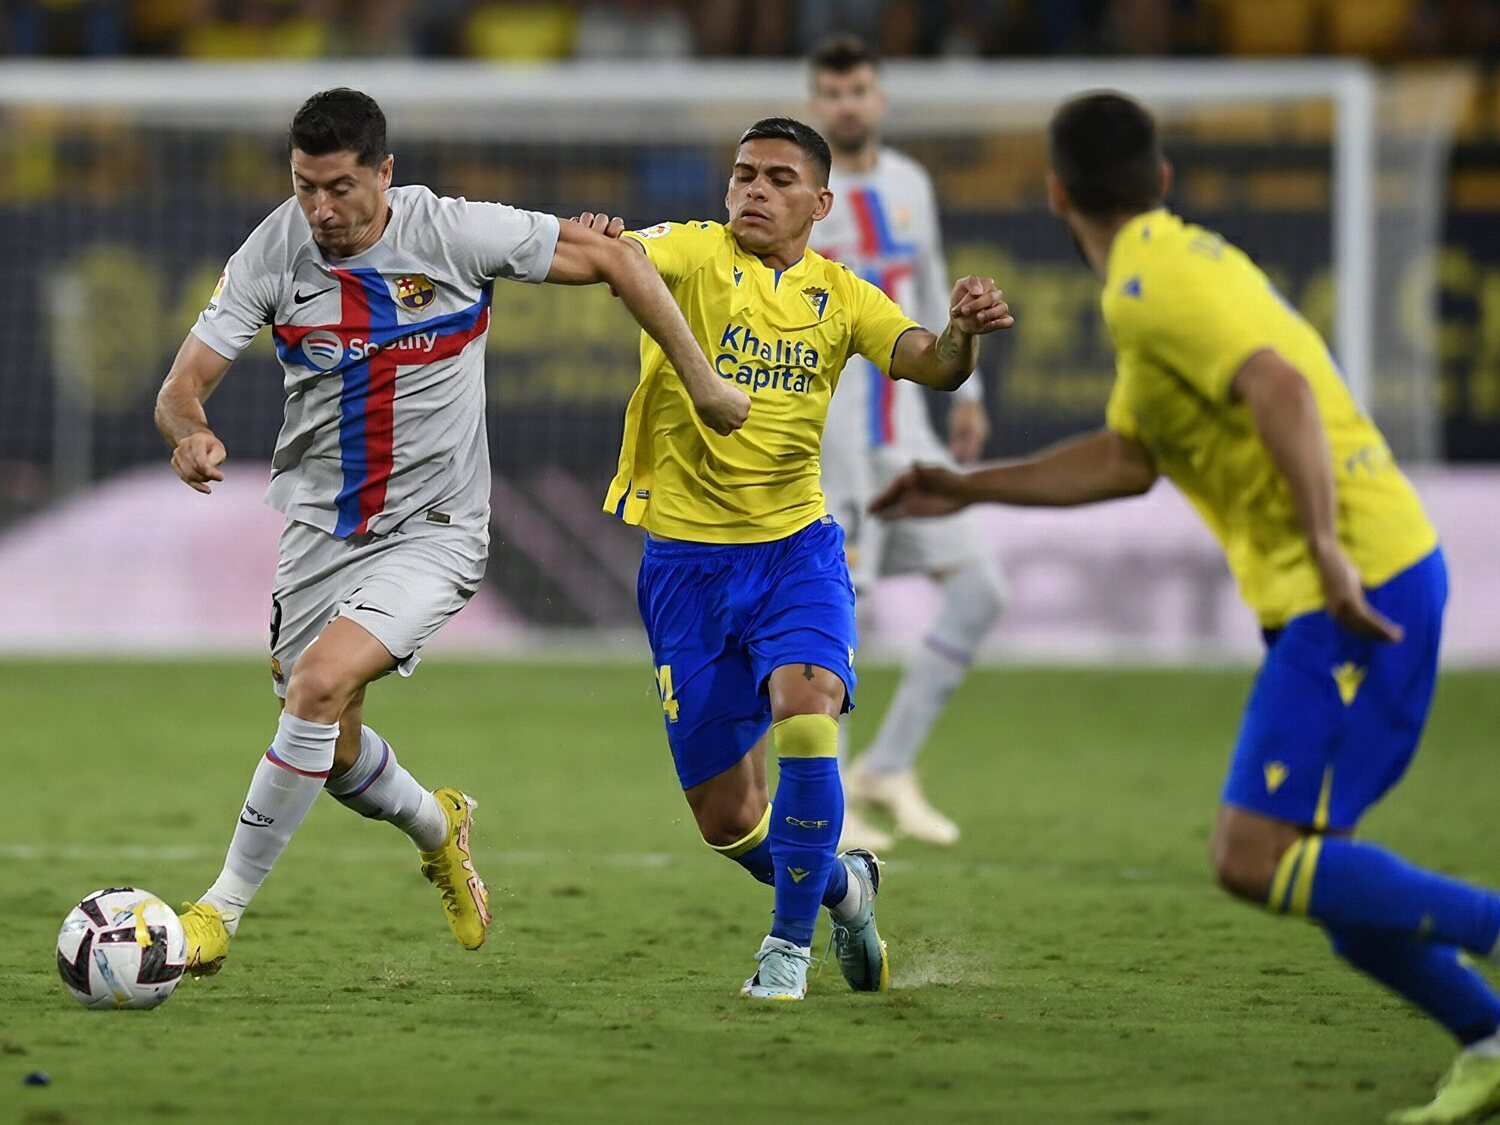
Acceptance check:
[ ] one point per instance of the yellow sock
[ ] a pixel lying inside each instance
(807, 736)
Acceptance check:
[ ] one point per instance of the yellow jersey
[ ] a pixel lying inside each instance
(782, 336)
(1186, 310)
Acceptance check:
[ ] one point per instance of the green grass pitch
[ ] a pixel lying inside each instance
(1070, 961)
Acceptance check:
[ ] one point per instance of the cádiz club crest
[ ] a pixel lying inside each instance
(414, 291)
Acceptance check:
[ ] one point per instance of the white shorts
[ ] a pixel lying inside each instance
(400, 587)
(910, 546)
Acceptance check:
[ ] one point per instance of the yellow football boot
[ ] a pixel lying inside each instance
(450, 868)
(1470, 1091)
(207, 938)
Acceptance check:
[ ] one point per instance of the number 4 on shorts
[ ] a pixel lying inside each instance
(664, 686)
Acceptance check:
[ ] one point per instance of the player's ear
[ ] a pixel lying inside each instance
(825, 204)
(1057, 195)
(386, 170)
(1166, 178)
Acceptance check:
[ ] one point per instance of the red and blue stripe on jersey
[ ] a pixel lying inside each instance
(367, 402)
(885, 263)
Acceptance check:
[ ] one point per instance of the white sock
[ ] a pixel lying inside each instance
(847, 907)
(286, 783)
(973, 599)
(1486, 1048)
(379, 787)
(930, 679)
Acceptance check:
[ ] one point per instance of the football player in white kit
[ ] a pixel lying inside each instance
(379, 301)
(884, 226)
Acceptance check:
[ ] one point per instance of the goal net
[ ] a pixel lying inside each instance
(123, 188)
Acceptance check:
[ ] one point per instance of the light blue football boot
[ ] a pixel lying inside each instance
(782, 974)
(862, 955)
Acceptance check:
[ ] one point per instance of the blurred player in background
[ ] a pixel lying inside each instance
(1227, 390)
(744, 589)
(379, 299)
(884, 227)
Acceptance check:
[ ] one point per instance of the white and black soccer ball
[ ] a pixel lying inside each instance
(121, 948)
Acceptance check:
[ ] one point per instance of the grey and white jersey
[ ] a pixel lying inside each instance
(383, 355)
(884, 227)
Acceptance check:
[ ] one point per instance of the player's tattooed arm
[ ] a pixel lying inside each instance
(586, 254)
(952, 347)
(977, 307)
(197, 451)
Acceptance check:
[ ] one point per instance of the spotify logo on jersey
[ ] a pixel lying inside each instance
(324, 350)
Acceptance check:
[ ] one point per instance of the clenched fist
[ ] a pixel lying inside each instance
(196, 459)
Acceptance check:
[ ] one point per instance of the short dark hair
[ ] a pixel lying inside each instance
(1104, 148)
(340, 120)
(839, 54)
(805, 137)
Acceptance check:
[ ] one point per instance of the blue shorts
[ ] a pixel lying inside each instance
(1333, 719)
(722, 617)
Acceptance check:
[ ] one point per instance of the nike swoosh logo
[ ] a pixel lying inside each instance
(303, 298)
(376, 609)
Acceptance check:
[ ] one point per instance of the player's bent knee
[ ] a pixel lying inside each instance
(726, 833)
(821, 693)
(1247, 851)
(728, 807)
(1244, 871)
(730, 819)
(319, 691)
(983, 590)
(1241, 880)
(997, 600)
(974, 598)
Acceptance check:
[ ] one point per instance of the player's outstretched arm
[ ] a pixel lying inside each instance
(1100, 466)
(1286, 417)
(584, 256)
(943, 362)
(197, 452)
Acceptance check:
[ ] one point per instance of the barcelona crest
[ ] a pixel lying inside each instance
(818, 299)
(414, 291)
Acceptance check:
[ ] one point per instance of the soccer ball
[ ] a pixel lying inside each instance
(121, 948)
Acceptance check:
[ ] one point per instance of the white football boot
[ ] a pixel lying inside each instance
(900, 795)
(782, 974)
(860, 833)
